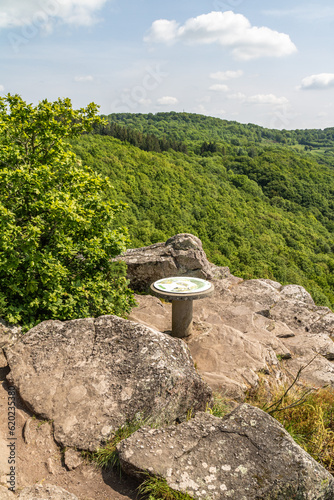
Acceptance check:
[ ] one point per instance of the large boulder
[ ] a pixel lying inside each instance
(181, 255)
(91, 376)
(247, 455)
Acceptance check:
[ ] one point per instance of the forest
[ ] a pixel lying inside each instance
(260, 200)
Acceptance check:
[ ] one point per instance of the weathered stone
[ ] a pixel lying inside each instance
(258, 292)
(39, 434)
(152, 307)
(45, 492)
(247, 455)
(245, 327)
(296, 293)
(73, 459)
(50, 466)
(9, 334)
(101, 373)
(227, 360)
(181, 255)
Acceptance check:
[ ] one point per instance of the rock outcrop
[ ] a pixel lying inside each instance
(91, 376)
(181, 255)
(251, 327)
(246, 456)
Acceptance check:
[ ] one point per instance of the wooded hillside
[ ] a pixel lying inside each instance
(260, 200)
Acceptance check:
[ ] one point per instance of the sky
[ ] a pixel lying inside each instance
(251, 61)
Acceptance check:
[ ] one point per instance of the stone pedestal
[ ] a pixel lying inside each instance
(182, 306)
(182, 318)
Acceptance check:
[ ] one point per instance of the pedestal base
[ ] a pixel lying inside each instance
(182, 318)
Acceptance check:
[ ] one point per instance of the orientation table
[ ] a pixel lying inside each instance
(182, 291)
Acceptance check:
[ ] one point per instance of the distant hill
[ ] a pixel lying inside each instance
(190, 127)
(262, 201)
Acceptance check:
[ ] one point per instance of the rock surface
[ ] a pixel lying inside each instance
(181, 255)
(9, 334)
(246, 456)
(251, 327)
(91, 376)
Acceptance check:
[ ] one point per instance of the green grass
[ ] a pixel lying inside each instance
(156, 488)
(220, 407)
(107, 456)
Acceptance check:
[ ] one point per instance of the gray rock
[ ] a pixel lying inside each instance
(181, 255)
(9, 334)
(73, 459)
(100, 373)
(246, 456)
(45, 492)
(296, 292)
(50, 466)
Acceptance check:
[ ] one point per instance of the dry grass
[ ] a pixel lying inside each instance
(307, 414)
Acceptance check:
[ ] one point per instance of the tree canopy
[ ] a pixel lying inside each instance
(57, 231)
(261, 206)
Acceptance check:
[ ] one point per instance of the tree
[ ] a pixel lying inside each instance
(57, 237)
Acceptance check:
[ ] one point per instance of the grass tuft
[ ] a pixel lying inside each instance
(107, 456)
(156, 488)
(220, 407)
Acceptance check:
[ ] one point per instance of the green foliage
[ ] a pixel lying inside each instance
(147, 142)
(57, 231)
(156, 488)
(283, 233)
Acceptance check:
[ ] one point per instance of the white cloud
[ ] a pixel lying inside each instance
(42, 14)
(86, 78)
(267, 99)
(219, 87)
(226, 75)
(227, 29)
(167, 101)
(2, 88)
(320, 81)
(259, 99)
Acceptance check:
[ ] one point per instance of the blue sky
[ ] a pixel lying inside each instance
(253, 61)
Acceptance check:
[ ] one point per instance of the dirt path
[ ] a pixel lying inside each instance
(38, 459)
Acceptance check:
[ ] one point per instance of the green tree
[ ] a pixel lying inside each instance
(57, 235)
